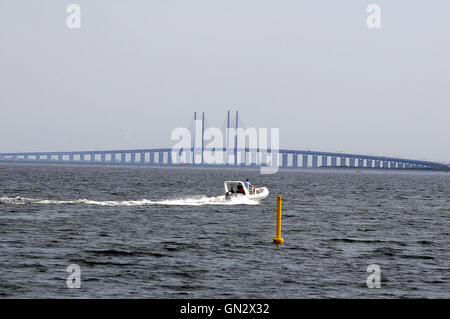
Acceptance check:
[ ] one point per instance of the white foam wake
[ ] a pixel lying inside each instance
(190, 201)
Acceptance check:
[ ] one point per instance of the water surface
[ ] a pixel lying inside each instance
(141, 232)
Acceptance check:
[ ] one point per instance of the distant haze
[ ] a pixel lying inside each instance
(138, 69)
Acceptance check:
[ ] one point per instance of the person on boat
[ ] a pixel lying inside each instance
(249, 186)
(230, 193)
(240, 189)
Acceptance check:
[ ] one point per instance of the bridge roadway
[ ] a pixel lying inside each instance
(251, 157)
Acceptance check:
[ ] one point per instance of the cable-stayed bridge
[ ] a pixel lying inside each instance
(228, 155)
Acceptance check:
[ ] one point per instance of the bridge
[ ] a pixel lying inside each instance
(195, 156)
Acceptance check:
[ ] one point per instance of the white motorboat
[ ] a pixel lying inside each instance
(237, 189)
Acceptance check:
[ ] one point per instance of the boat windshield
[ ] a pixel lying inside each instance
(237, 186)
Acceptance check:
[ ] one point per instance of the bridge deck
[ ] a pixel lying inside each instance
(235, 157)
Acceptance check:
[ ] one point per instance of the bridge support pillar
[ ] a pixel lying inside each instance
(169, 158)
(243, 158)
(152, 158)
(60, 157)
(263, 158)
(352, 162)
(123, 158)
(295, 160)
(133, 157)
(360, 162)
(103, 158)
(314, 161)
(385, 164)
(324, 161)
(305, 161)
(334, 161)
(343, 161)
(142, 157)
(186, 155)
(284, 160)
(253, 157)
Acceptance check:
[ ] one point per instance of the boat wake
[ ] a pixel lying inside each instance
(189, 201)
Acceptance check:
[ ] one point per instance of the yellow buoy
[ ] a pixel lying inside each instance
(278, 240)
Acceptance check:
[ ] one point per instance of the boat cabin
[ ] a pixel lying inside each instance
(236, 185)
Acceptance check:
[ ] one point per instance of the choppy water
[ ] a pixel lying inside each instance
(167, 233)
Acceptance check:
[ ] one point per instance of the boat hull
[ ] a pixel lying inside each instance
(259, 194)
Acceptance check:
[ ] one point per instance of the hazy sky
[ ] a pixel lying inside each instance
(138, 69)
